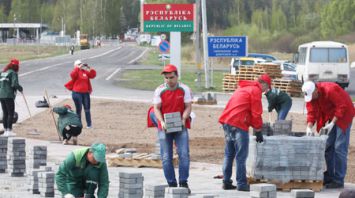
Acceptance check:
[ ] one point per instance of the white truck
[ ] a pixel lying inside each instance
(323, 61)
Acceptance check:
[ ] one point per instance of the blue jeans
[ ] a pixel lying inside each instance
(82, 99)
(336, 153)
(236, 146)
(166, 152)
(282, 113)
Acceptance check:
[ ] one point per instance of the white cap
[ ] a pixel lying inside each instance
(78, 62)
(308, 89)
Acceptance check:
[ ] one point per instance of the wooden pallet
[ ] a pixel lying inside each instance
(314, 185)
(114, 161)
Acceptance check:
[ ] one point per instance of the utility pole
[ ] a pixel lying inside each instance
(197, 43)
(205, 49)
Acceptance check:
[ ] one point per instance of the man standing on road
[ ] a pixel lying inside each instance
(69, 123)
(170, 97)
(328, 102)
(82, 171)
(277, 99)
(9, 85)
(244, 109)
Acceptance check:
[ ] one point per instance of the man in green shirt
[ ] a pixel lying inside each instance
(277, 99)
(69, 123)
(82, 171)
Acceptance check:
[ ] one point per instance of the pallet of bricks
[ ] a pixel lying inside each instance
(131, 158)
(230, 81)
(287, 160)
(292, 87)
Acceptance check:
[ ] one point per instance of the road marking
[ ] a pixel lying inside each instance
(43, 68)
(140, 56)
(103, 54)
(115, 72)
(55, 65)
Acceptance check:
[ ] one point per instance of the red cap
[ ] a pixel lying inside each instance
(67, 106)
(14, 61)
(169, 68)
(266, 78)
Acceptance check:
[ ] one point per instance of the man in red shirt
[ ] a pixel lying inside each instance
(243, 110)
(172, 97)
(328, 102)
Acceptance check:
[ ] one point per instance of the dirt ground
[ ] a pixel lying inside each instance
(123, 124)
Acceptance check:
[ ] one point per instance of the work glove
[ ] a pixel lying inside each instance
(327, 128)
(259, 137)
(163, 126)
(309, 132)
(69, 196)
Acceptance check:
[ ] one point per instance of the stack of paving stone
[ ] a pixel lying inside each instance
(37, 157)
(173, 122)
(302, 193)
(46, 183)
(16, 157)
(154, 191)
(282, 127)
(285, 158)
(263, 191)
(266, 129)
(131, 185)
(179, 192)
(114, 183)
(33, 181)
(3, 153)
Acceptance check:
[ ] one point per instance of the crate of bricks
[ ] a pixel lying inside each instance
(173, 122)
(286, 158)
(3, 153)
(282, 127)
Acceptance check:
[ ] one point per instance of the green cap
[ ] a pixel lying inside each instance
(99, 151)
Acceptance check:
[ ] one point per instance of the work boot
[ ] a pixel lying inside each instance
(185, 185)
(228, 186)
(334, 185)
(244, 188)
(75, 140)
(172, 185)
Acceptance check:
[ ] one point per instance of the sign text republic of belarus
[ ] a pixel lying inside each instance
(168, 17)
(227, 46)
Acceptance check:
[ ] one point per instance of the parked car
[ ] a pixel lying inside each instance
(245, 61)
(266, 57)
(288, 71)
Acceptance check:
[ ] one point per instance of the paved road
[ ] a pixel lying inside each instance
(53, 73)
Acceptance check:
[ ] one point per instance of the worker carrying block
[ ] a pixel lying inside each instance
(328, 102)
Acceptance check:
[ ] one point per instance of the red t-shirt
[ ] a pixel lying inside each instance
(173, 100)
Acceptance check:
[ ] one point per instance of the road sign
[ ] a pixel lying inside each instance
(163, 36)
(227, 46)
(168, 17)
(164, 47)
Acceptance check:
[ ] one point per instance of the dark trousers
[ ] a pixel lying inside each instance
(73, 131)
(8, 110)
(82, 99)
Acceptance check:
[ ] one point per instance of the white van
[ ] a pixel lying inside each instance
(323, 61)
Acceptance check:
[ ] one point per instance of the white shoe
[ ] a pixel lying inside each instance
(5, 134)
(10, 133)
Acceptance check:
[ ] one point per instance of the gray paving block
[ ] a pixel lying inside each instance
(302, 193)
(129, 175)
(262, 187)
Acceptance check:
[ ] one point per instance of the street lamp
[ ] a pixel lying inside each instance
(15, 35)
